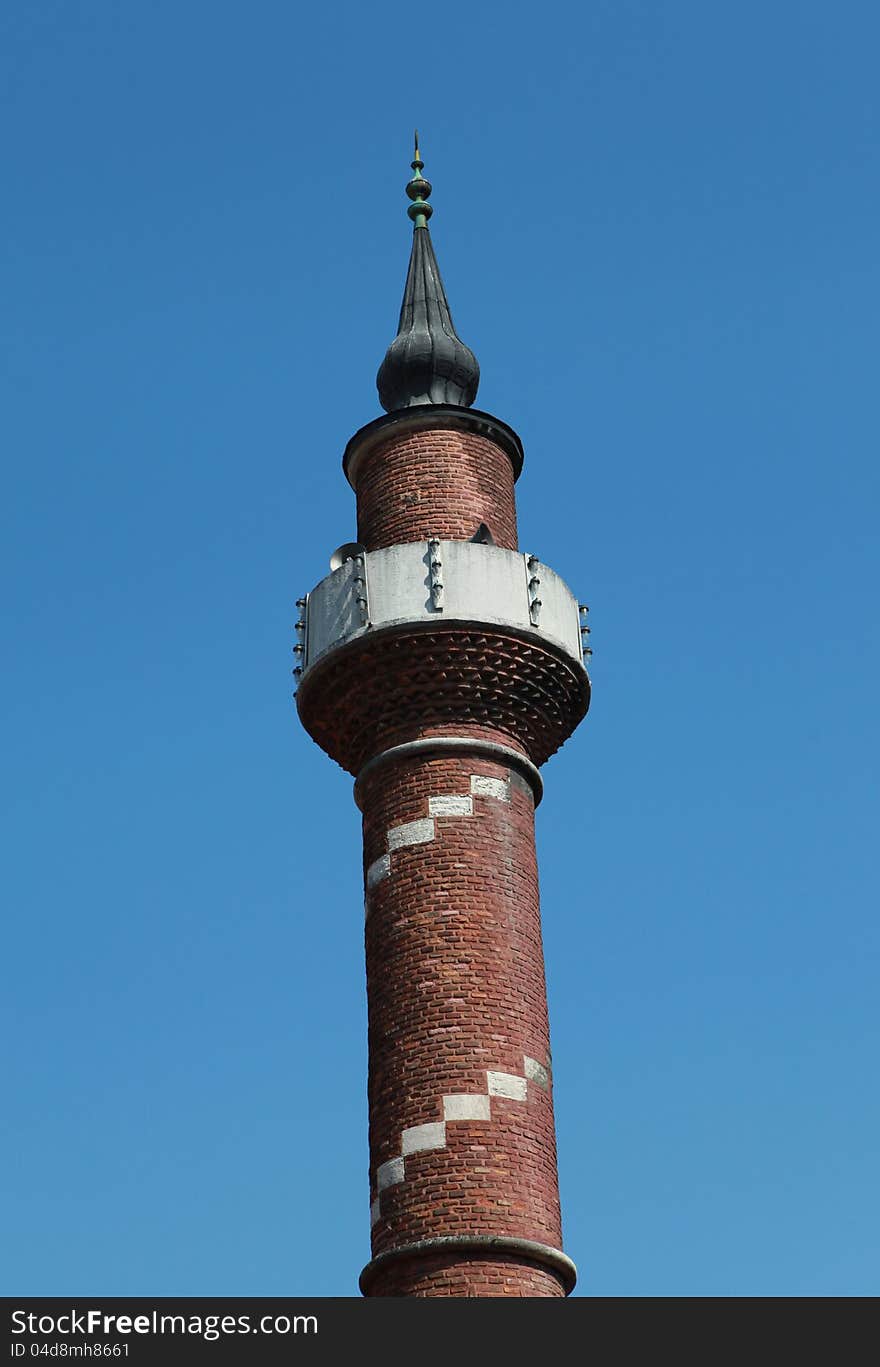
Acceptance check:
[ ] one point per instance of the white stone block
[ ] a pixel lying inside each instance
(536, 1072)
(375, 1212)
(462, 1106)
(418, 1138)
(379, 869)
(411, 833)
(388, 1174)
(507, 1084)
(490, 787)
(451, 806)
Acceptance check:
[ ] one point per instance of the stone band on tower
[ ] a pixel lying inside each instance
(441, 666)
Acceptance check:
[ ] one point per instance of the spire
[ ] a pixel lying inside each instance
(427, 363)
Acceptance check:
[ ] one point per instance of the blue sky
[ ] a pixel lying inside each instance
(657, 225)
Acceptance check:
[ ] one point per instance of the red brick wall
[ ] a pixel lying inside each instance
(387, 688)
(455, 977)
(445, 1276)
(441, 483)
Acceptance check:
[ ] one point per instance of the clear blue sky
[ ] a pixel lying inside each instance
(658, 229)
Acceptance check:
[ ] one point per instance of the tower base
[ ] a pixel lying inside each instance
(465, 1266)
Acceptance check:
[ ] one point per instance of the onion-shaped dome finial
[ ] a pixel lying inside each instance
(427, 363)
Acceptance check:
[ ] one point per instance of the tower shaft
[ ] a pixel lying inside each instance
(462, 1142)
(424, 481)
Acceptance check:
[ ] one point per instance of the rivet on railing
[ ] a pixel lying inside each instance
(435, 564)
(533, 583)
(361, 590)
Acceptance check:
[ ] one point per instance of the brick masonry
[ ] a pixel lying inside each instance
(450, 1276)
(442, 483)
(383, 690)
(461, 1118)
(462, 1141)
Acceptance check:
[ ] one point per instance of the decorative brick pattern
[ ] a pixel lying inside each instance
(457, 1019)
(377, 692)
(419, 832)
(461, 1106)
(435, 483)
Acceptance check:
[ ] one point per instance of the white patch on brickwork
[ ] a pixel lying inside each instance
(536, 1072)
(450, 806)
(411, 833)
(456, 1106)
(422, 831)
(379, 869)
(507, 1084)
(388, 1174)
(463, 1106)
(490, 787)
(418, 1138)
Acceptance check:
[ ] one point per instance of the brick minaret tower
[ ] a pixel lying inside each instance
(441, 666)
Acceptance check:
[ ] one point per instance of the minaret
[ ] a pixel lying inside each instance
(442, 666)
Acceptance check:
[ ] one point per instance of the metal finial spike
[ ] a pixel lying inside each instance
(419, 190)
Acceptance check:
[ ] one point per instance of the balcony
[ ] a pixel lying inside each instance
(436, 583)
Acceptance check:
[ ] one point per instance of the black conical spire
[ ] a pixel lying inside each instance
(427, 362)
